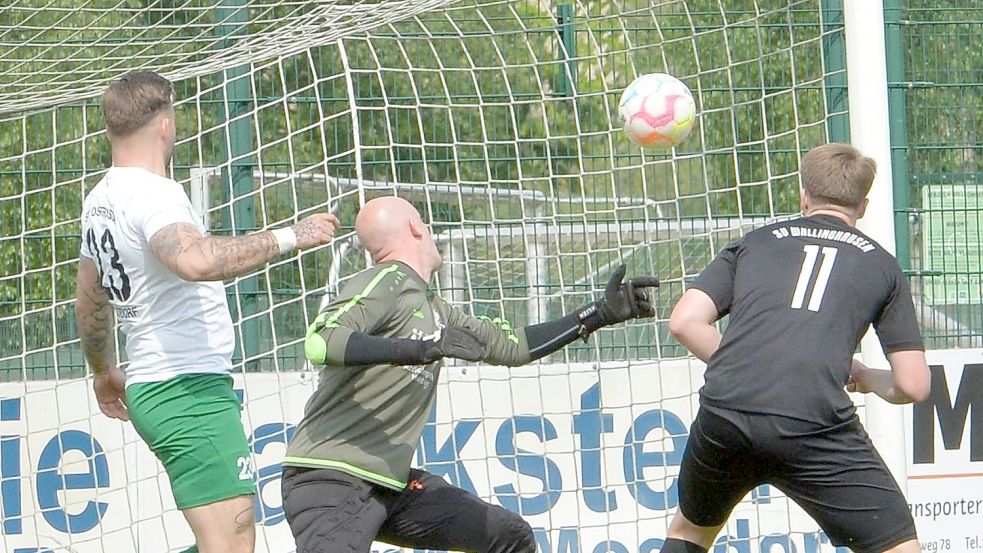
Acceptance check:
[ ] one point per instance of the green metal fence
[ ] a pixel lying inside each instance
(935, 73)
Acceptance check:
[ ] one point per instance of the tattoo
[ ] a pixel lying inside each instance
(244, 520)
(94, 318)
(181, 245)
(306, 231)
(238, 255)
(167, 243)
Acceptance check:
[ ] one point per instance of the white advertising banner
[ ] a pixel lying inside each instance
(589, 455)
(945, 454)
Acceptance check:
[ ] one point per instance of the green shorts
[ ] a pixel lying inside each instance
(192, 424)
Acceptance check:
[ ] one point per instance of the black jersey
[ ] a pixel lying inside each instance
(800, 295)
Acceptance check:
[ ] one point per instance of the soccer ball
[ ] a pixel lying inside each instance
(657, 111)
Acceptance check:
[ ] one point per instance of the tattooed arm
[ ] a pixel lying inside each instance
(94, 318)
(96, 328)
(195, 257)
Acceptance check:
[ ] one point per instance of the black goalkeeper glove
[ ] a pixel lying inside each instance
(622, 301)
(456, 342)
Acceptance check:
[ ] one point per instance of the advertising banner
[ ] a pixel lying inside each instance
(587, 454)
(945, 454)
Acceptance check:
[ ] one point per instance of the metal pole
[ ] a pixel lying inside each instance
(537, 268)
(568, 40)
(834, 59)
(897, 104)
(870, 132)
(237, 173)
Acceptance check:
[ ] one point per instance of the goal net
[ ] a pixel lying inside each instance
(498, 120)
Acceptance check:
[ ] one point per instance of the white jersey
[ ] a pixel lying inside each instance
(173, 327)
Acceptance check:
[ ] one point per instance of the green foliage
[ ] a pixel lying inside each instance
(489, 94)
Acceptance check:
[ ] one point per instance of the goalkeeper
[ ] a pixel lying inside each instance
(347, 479)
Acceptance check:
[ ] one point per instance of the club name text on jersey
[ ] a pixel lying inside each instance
(843, 236)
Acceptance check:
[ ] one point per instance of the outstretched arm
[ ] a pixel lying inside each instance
(196, 257)
(345, 333)
(622, 300)
(359, 349)
(339, 337)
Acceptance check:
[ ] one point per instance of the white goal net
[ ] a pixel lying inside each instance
(498, 120)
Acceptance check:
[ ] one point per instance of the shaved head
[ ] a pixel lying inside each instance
(390, 228)
(383, 221)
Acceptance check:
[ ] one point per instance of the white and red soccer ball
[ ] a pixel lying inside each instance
(657, 110)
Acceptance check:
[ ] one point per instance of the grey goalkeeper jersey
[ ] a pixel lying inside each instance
(367, 421)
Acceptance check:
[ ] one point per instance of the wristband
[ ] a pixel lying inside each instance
(286, 239)
(590, 319)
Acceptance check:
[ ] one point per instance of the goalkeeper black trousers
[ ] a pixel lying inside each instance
(333, 511)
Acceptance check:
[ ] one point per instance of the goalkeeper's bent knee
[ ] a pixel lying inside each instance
(509, 533)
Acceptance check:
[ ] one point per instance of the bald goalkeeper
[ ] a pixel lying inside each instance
(347, 479)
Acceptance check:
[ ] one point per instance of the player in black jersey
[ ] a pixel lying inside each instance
(800, 295)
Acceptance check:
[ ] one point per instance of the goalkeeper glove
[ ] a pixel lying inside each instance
(456, 342)
(622, 301)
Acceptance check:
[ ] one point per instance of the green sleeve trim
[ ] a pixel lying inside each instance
(504, 325)
(345, 467)
(315, 347)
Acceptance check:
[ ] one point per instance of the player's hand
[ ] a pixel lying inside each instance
(456, 342)
(316, 230)
(110, 388)
(858, 378)
(626, 300)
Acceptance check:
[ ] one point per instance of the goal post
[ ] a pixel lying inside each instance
(498, 120)
(870, 133)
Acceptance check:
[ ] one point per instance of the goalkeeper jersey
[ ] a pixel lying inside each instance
(367, 421)
(172, 327)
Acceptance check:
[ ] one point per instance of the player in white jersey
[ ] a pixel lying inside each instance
(147, 262)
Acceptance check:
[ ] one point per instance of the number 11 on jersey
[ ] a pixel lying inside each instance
(805, 275)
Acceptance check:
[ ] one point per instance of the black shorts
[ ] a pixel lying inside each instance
(330, 511)
(835, 475)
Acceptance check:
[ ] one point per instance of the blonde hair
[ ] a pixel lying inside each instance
(837, 174)
(131, 102)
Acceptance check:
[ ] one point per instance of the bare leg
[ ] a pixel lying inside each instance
(682, 529)
(224, 526)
